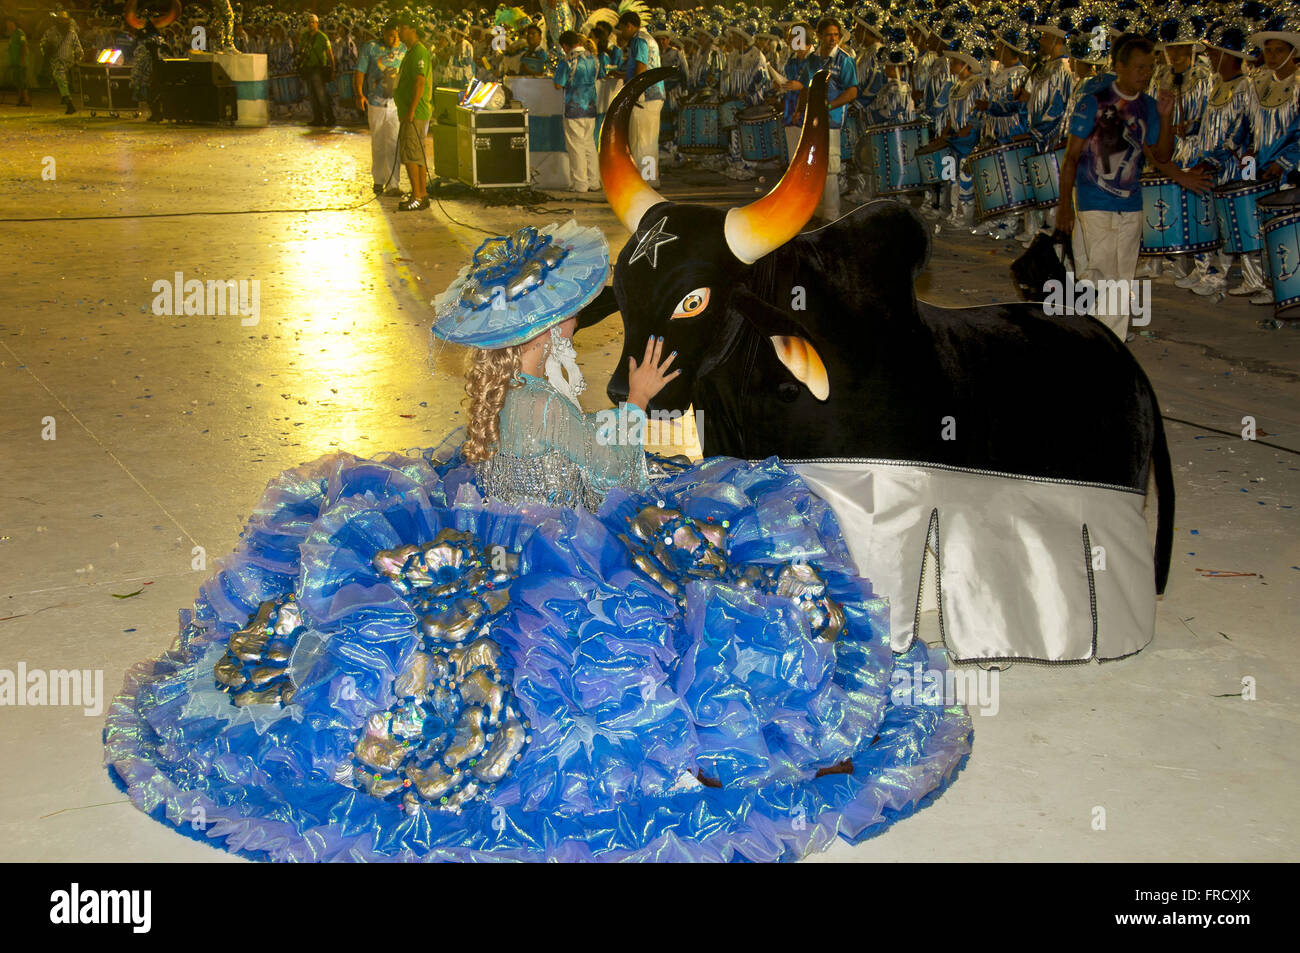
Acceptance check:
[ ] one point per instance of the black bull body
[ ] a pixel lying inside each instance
(813, 346)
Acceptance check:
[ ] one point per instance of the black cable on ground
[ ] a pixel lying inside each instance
(1228, 433)
(249, 211)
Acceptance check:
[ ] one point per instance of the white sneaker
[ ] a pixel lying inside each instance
(1147, 269)
(984, 228)
(1003, 230)
(1191, 280)
(1262, 297)
(1212, 284)
(1243, 289)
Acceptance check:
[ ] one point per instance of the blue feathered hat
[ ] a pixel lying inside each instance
(519, 285)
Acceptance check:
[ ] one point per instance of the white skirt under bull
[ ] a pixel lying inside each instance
(1018, 567)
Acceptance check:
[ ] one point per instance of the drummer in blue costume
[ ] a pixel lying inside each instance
(747, 80)
(842, 89)
(895, 102)
(1275, 121)
(1222, 141)
(675, 89)
(709, 65)
(868, 25)
(1007, 117)
(1052, 87)
(936, 84)
(1189, 78)
(868, 35)
(533, 642)
(964, 120)
(799, 37)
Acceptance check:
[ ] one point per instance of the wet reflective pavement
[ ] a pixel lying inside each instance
(166, 428)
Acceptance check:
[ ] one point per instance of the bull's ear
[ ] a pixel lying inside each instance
(601, 307)
(802, 360)
(792, 347)
(763, 316)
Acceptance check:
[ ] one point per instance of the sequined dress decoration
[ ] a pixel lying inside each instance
(553, 453)
(391, 666)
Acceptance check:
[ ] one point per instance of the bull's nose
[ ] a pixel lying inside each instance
(617, 389)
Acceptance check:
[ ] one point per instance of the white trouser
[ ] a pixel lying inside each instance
(645, 139)
(792, 139)
(580, 144)
(1252, 272)
(1106, 249)
(383, 144)
(829, 207)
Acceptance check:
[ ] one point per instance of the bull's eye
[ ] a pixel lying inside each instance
(691, 305)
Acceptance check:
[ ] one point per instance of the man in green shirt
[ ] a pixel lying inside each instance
(17, 58)
(316, 58)
(414, 99)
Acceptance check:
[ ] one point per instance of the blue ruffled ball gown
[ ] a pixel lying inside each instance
(390, 668)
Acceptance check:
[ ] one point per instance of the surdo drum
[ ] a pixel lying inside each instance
(1175, 220)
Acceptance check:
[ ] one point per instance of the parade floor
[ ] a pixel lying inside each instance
(168, 428)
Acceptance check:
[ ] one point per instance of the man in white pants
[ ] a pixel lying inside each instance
(373, 80)
(643, 54)
(576, 75)
(841, 90)
(1109, 131)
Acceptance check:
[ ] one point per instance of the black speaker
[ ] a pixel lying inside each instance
(207, 104)
(196, 91)
(179, 72)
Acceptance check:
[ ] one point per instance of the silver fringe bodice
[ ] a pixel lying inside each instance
(1047, 81)
(961, 102)
(551, 452)
(1007, 83)
(1189, 109)
(1274, 106)
(1227, 110)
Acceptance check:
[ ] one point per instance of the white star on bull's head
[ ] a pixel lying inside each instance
(648, 246)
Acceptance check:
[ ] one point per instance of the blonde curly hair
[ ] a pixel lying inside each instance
(490, 373)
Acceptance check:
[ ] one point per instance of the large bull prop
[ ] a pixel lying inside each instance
(1005, 448)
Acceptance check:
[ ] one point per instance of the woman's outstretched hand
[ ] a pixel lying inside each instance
(648, 378)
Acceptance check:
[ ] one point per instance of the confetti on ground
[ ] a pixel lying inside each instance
(1224, 573)
(128, 595)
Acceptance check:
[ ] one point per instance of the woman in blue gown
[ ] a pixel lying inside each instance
(533, 642)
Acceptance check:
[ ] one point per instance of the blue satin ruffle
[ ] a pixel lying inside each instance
(627, 690)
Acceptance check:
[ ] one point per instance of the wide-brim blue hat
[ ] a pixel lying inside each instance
(522, 284)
